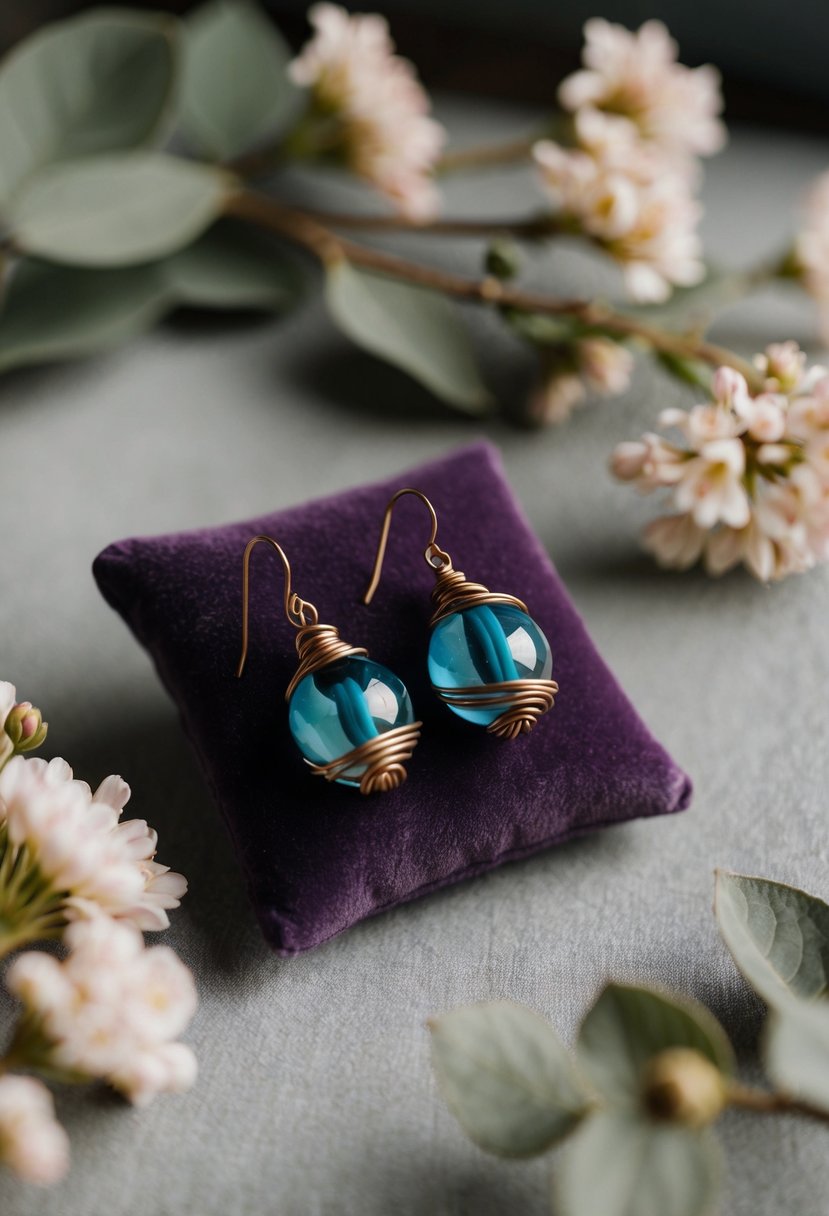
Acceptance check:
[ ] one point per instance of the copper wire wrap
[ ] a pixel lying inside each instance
(384, 758)
(524, 701)
(453, 592)
(317, 646)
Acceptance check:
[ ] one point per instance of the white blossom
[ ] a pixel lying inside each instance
(571, 370)
(749, 479)
(379, 111)
(82, 851)
(637, 76)
(112, 1009)
(613, 189)
(32, 1142)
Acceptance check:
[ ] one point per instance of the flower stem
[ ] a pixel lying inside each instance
(30, 909)
(508, 152)
(330, 249)
(529, 228)
(764, 1103)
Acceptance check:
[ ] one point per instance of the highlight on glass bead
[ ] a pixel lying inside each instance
(484, 645)
(344, 705)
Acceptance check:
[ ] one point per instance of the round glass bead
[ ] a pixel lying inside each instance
(487, 644)
(341, 706)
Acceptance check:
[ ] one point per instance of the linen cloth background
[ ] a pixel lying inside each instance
(315, 1096)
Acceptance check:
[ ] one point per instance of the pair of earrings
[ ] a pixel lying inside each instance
(352, 719)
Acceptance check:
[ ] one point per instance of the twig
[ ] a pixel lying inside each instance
(764, 1103)
(330, 248)
(529, 228)
(489, 155)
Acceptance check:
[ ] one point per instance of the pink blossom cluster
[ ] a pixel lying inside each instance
(32, 1142)
(640, 119)
(637, 76)
(76, 840)
(381, 111)
(749, 476)
(110, 1010)
(593, 364)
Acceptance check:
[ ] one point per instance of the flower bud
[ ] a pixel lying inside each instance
(558, 388)
(25, 727)
(502, 259)
(682, 1086)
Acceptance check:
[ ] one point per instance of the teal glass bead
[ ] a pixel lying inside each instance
(486, 644)
(343, 705)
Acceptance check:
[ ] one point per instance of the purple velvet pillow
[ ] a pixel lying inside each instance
(320, 857)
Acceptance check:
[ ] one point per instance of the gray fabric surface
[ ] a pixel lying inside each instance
(315, 1094)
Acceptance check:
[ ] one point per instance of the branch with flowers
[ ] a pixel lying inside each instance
(634, 1107)
(104, 230)
(106, 1008)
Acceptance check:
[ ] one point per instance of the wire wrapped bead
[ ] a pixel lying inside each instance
(488, 659)
(351, 718)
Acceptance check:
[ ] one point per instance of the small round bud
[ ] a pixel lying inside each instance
(502, 259)
(682, 1086)
(25, 727)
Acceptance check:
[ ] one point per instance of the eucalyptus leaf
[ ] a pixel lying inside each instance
(94, 83)
(236, 89)
(413, 328)
(59, 312)
(55, 312)
(777, 935)
(233, 266)
(619, 1164)
(117, 209)
(797, 1051)
(628, 1026)
(507, 1078)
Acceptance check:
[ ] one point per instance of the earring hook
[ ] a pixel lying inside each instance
(433, 555)
(298, 611)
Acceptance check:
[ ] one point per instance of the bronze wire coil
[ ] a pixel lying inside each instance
(453, 592)
(524, 701)
(317, 646)
(383, 757)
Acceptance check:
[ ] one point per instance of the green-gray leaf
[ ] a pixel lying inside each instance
(628, 1026)
(507, 1077)
(117, 209)
(411, 327)
(621, 1165)
(778, 936)
(95, 83)
(58, 312)
(797, 1051)
(233, 266)
(236, 89)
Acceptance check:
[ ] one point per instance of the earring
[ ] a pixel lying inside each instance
(488, 659)
(351, 718)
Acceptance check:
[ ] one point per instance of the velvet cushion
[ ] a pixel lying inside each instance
(320, 857)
